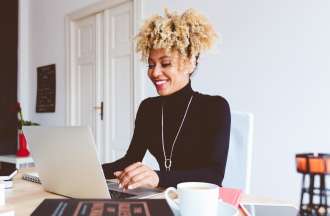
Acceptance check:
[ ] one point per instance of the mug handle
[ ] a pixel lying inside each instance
(174, 205)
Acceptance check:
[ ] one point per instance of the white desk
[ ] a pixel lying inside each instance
(25, 196)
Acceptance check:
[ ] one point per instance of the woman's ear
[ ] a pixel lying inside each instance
(192, 65)
(187, 65)
(192, 60)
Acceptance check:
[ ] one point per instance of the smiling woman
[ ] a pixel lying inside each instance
(168, 72)
(186, 131)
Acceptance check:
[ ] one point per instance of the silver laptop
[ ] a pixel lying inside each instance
(67, 164)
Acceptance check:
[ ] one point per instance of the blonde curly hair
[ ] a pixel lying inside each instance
(189, 33)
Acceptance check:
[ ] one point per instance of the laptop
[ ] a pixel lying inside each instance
(67, 164)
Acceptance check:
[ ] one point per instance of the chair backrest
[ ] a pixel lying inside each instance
(238, 168)
(150, 161)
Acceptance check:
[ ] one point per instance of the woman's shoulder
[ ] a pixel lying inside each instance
(212, 100)
(215, 107)
(149, 102)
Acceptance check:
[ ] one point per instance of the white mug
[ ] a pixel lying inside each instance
(195, 199)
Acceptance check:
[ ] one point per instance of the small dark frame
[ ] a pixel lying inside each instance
(46, 89)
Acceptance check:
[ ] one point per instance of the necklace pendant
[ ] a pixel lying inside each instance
(168, 164)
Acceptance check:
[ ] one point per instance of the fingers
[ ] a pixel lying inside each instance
(133, 166)
(147, 179)
(137, 175)
(127, 177)
(127, 169)
(142, 180)
(117, 173)
(136, 185)
(138, 178)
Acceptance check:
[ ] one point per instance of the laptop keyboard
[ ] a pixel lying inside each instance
(119, 195)
(115, 194)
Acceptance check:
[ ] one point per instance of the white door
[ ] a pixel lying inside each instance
(118, 77)
(101, 84)
(87, 76)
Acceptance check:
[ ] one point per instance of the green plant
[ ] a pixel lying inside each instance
(21, 121)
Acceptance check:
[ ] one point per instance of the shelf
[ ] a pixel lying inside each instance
(20, 162)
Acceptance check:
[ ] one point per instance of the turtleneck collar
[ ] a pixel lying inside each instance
(180, 94)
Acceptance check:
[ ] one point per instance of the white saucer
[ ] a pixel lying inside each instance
(224, 209)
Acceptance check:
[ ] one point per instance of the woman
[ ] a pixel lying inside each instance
(186, 131)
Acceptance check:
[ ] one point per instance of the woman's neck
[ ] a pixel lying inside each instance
(181, 93)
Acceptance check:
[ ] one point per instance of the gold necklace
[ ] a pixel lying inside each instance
(168, 161)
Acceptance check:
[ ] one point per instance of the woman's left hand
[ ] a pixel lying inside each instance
(137, 175)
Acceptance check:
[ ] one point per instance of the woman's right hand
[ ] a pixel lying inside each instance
(137, 175)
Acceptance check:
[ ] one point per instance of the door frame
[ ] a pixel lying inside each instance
(138, 78)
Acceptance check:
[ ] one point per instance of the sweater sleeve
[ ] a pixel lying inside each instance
(216, 138)
(137, 147)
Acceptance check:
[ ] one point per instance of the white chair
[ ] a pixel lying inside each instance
(238, 168)
(150, 161)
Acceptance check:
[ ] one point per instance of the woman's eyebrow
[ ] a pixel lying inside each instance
(165, 57)
(161, 58)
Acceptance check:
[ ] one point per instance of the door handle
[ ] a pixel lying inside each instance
(101, 109)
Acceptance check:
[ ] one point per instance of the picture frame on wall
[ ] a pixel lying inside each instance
(46, 89)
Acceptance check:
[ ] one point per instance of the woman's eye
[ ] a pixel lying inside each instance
(166, 65)
(150, 66)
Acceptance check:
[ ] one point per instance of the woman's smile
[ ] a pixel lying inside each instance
(160, 84)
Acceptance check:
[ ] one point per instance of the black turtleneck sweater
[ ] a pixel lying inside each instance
(200, 152)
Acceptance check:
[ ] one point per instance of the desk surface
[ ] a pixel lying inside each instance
(25, 196)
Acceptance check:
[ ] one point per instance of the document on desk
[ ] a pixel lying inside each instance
(100, 207)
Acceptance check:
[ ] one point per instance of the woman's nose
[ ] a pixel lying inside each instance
(156, 71)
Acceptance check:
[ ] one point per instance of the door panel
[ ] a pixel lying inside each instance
(122, 40)
(118, 94)
(87, 95)
(86, 75)
(122, 115)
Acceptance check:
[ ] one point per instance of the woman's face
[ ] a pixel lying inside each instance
(169, 72)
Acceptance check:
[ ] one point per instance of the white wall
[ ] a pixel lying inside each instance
(47, 46)
(23, 59)
(274, 62)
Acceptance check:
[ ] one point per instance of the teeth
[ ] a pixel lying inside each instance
(160, 82)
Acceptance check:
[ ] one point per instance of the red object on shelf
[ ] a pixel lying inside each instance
(22, 149)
